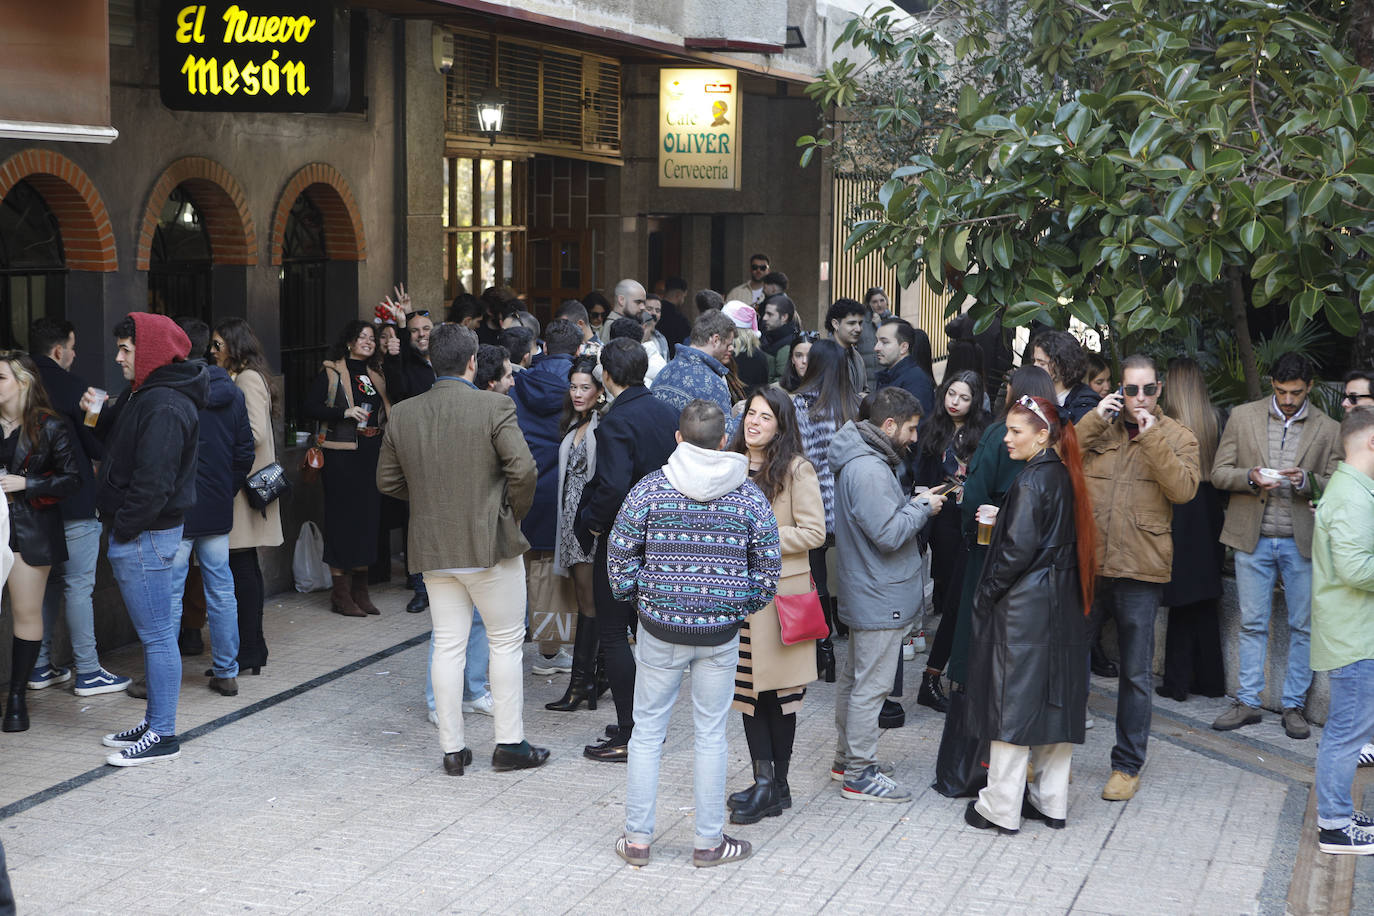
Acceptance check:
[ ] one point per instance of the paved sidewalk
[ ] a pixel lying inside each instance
(319, 789)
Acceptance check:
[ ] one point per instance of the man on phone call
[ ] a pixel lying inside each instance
(1270, 456)
(1139, 464)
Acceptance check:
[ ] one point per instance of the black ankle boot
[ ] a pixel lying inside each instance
(763, 800)
(16, 713)
(930, 694)
(780, 769)
(582, 680)
(825, 660)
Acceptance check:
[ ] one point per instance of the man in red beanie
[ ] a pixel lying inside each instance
(147, 484)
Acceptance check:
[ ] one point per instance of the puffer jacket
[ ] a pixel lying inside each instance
(881, 576)
(1028, 651)
(539, 393)
(224, 455)
(1134, 485)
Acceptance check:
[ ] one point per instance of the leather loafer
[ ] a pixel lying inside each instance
(1031, 813)
(225, 686)
(454, 762)
(612, 750)
(518, 757)
(419, 603)
(974, 819)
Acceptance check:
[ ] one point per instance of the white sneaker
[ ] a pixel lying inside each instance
(434, 718)
(559, 664)
(482, 705)
(1088, 722)
(909, 649)
(1367, 755)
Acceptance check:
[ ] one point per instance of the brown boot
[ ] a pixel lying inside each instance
(341, 600)
(360, 596)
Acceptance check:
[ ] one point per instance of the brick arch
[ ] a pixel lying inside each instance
(343, 224)
(87, 236)
(222, 205)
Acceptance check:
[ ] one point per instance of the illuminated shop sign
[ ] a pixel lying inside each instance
(254, 56)
(698, 129)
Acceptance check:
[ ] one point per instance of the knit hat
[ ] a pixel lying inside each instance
(742, 314)
(158, 342)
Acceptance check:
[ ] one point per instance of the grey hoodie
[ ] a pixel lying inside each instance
(881, 578)
(705, 474)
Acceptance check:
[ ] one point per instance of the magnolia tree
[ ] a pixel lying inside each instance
(1130, 163)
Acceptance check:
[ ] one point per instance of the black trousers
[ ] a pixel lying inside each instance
(1192, 650)
(769, 731)
(248, 592)
(614, 619)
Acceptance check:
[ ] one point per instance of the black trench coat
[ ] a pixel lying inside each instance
(1028, 652)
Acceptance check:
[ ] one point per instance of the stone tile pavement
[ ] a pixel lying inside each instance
(319, 789)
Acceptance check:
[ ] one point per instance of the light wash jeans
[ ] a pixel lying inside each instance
(74, 580)
(474, 673)
(143, 567)
(1349, 726)
(221, 607)
(1256, 572)
(657, 680)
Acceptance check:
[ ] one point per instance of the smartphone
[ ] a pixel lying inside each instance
(945, 489)
(1112, 414)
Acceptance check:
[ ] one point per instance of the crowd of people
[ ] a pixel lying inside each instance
(727, 494)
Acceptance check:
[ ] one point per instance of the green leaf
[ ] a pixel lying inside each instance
(1173, 296)
(1209, 261)
(1022, 312)
(956, 249)
(1129, 299)
(1002, 249)
(1103, 177)
(1274, 189)
(1251, 234)
(1316, 196)
(1342, 314)
(1265, 264)
(1165, 232)
(992, 123)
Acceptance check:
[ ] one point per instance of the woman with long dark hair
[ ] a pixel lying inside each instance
(576, 464)
(1028, 658)
(238, 351)
(947, 442)
(825, 401)
(37, 470)
(349, 399)
(771, 679)
(797, 360)
(1192, 645)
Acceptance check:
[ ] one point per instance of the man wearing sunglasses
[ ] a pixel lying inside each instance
(1270, 456)
(1139, 464)
(1359, 390)
(751, 290)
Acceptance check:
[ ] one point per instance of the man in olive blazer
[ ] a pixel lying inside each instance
(461, 452)
(1274, 456)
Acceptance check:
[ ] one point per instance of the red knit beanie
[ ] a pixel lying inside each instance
(159, 342)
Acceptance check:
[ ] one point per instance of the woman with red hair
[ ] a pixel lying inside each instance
(1027, 686)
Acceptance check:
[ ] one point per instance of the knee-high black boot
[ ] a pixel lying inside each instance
(582, 681)
(23, 653)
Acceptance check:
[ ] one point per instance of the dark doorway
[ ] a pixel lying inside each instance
(33, 268)
(304, 343)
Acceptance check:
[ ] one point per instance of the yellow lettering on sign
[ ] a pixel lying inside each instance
(240, 28)
(250, 78)
(206, 76)
(295, 78)
(202, 75)
(188, 31)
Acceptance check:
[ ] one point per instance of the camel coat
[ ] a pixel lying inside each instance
(768, 664)
(250, 528)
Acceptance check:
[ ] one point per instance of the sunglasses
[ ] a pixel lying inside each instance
(758, 266)
(1028, 402)
(1131, 391)
(1353, 397)
(418, 313)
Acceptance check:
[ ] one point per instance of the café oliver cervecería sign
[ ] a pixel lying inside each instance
(254, 56)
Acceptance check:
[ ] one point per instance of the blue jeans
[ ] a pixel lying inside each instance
(1134, 605)
(221, 606)
(478, 659)
(1349, 726)
(74, 580)
(144, 569)
(659, 675)
(1256, 572)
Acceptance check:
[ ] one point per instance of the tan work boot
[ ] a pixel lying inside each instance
(1121, 786)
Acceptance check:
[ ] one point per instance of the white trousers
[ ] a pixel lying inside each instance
(500, 592)
(1000, 802)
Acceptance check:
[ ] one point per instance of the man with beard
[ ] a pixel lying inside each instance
(779, 333)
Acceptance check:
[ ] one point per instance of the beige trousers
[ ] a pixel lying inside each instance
(1000, 802)
(500, 592)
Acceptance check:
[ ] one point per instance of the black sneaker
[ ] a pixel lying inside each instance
(151, 748)
(127, 738)
(1349, 840)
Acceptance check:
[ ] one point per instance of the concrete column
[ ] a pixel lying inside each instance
(425, 98)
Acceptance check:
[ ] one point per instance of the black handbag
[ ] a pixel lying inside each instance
(961, 764)
(265, 486)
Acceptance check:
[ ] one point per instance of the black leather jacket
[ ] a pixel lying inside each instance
(36, 531)
(1028, 652)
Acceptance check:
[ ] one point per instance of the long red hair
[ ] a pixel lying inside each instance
(1065, 441)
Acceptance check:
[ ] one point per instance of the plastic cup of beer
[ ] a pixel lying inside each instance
(98, 398)
(367, 413)
(987, 518)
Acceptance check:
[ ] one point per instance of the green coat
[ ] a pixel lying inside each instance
(1343, 572)
(990, 474)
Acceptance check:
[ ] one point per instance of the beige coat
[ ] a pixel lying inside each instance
(1245, 445)
(801, 528)
(250, 528)
(1134, 485)
(458, 456)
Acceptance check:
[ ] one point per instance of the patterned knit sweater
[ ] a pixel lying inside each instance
(696, 563)
(816, 432)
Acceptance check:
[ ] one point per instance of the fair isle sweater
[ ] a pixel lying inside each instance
(695, 546)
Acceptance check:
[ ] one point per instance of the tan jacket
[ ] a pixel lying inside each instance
(1134, 486)
(459, 457)
(1245, 445)
(250, 528)
(801, 528)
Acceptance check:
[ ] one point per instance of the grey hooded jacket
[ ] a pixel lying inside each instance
(881, 577)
